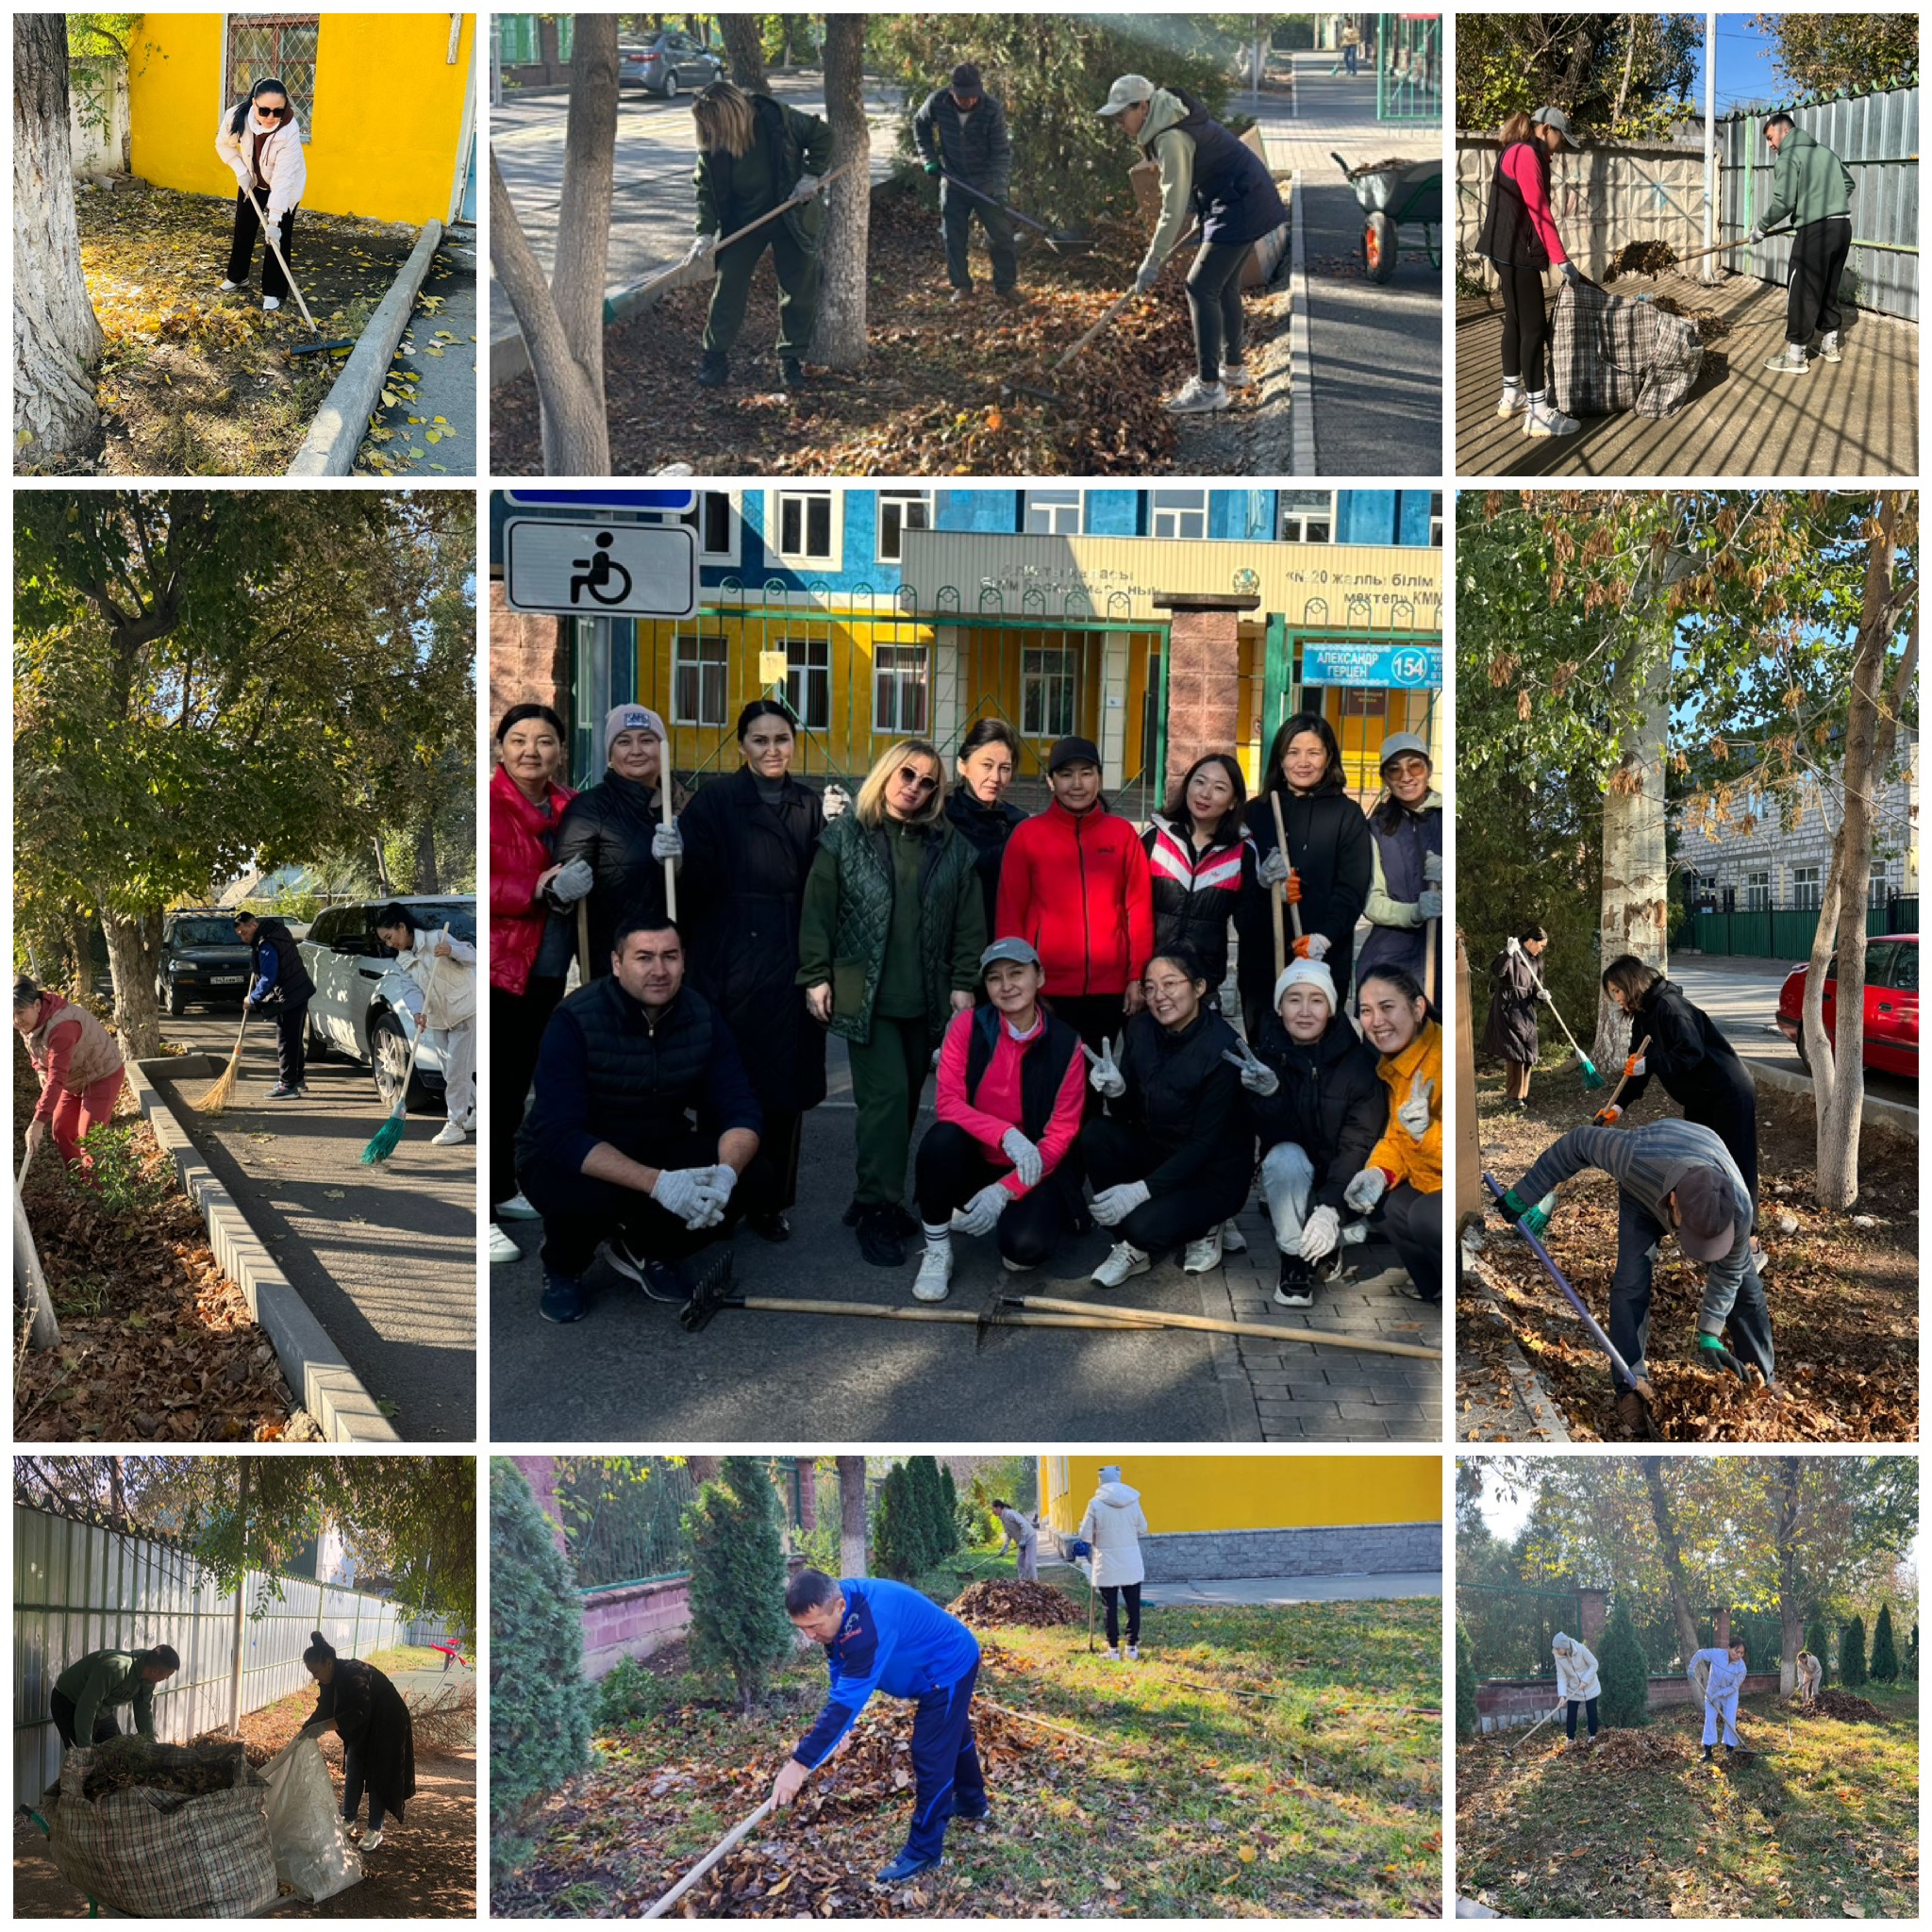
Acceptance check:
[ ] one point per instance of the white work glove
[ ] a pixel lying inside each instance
(834, 800)
(1755, 237)
(1432, 868)
(723, 1178)
(1144, 281)
(1274, 870)
(36, 1135)
(1367, 1188)
(245, 179)
(689, 1193)
(702, 248)
(1258, 1077)
(1107, 1078)
(808, 186)
(1414, 1112)
(1513, 946)
(1025, 1156)
(572, 882)
(981, 1214)
(1320, 1234)
(1569, 273)
(1313, 946)
(667, 842)
(1113, 1205)
(1429, 906)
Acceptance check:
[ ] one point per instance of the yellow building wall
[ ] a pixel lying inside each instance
(385, 138)
(1207, 1492)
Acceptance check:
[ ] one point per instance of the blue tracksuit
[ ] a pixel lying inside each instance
(896, 1640)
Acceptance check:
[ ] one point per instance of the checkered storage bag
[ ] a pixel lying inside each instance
(1608, 356)
(156, 1854)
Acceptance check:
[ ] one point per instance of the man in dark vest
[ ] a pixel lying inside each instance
(961, 132)
(282, 981)
(608, 1153)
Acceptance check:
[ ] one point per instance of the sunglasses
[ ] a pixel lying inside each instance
(270, 113)
(919, 781)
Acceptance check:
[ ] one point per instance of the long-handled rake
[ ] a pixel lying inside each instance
(1641, 1048)
(1592, 1080)
(1281, 898)
(1510, 1750)
(318, 346)
(217, 1097)
(710, 1858)
(1059, 240)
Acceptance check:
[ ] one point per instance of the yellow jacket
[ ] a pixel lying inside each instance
(1398, 1152)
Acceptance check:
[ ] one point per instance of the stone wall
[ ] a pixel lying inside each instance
(633, 1622)
(529, 663)
(1374, 1549)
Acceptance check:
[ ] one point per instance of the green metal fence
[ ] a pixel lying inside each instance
(622, 1520)
(1787, 932)
(1510, 1626)
(1409, 67)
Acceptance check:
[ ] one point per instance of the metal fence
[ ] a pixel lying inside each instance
(1785, 932)
(78, 1589)
(1510, 1626)
(631, 1522)
(1409, 67)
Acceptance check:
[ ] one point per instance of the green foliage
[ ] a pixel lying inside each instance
(1852, 1672)
(1884, 1651)
(1832, 54)
(1624, 1670)
(539, 1707)
(1507, 63)
(901, 1540)
(1819, 1646)
(1465, 1683)
(931, 1488)
(1052, 71)
(628, 1694)
(98, 35)
(119, 1187)
(735, 1532)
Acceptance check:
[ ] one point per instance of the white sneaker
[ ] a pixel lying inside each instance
(1133, 1653)
(1235, 376)
(1013, 1266)
(451, 1136)
(1233, 1242)
(1829, 349)
(1204, 1256)
(371, 1840)
(229, 288)
(502, 1248)
(934, 1280)
(516, 1209)
(1113, 1656)
(1513, 401)
(1545, 419)
(269, 305)
(1124, 1262)
(1198, 399)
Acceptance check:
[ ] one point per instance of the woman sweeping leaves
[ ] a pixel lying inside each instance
(368, 1713)
(1516, 990)
(260, 141)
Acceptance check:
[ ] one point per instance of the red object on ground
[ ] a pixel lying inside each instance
(1892, 1004)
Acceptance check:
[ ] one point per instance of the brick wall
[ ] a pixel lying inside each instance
(528, 662)
(634, 1621)
(1358, 1550)
(1505, 1702)
(1203, 687)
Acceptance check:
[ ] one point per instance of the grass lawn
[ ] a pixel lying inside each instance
(1821, 1823)
(1255, 1763)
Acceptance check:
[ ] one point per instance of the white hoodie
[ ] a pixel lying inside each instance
(1575, 1669)
(283, 165)
(1114, 1525)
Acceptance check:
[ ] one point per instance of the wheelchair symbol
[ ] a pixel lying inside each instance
(600, 574)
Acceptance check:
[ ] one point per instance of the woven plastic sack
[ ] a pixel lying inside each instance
(1609, 356)
(157, 1854)
(312, 1852)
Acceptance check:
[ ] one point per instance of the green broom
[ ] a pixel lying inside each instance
(388, 1136)
(1591, 1078)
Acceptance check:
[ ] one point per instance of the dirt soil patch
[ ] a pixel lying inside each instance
(929, 401)
(1842, 1289)
(990, 1604)
(195, 383)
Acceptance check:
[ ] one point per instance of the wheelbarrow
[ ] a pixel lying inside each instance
(1408, 195)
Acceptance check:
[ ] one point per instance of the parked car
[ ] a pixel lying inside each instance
(667, 65)
(204, 962)
(366, 1004)
(1892, 1004)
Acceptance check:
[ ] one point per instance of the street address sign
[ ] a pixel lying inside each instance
(674, 503)
(600, 569)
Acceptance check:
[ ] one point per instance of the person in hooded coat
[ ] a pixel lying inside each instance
(1516, 990)
(616, 827)
(1577, 1683)
(1811, 1675)
(1114, 1525)
(1406, 885)
(368, 1713)
(1688, 1057)
(1201, 862)
(1326, 870)
(745, 847)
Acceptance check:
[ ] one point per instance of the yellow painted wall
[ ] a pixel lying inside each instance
(385, 136)
(1204, 1493)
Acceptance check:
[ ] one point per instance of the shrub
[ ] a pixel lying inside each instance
(1624, 1672)
(899, 1540)
(1465, 1682)
(540, 1706)
(628, 1694)
(116, 1183)
(735, 1534)
(1884, 1652)
(1851, 1655)
(935, 1510)
(1819, 1646)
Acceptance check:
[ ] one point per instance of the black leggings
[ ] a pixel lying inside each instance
(1525, 323)
(355, 1775)
(1570, 1715)
(952, 1166)
(242, 249)
(1113, 1153)
(1214, 297)
(1110, 1594)
(517, 1021)
(1414, 1223)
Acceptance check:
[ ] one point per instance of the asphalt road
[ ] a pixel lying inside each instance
(385, 1257)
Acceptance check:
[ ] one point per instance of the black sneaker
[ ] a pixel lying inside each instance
(563, 1300)
(714, 371)
(791, 371)
(770, 1228)
(662, 1281)
(903, 1224)
(287, 1090)
(1296, 1287)
(879, 1242)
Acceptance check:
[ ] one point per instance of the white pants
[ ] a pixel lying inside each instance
(1288, 1178)
(457, 1045)
(1729, 1707)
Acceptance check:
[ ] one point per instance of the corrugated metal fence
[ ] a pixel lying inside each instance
(1876, 136)
(78, 1589)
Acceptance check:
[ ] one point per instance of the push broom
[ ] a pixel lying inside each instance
(1592, 1080)
(385, 1138)
(218, 1096)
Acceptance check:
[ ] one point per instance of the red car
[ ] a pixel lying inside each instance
(1892, 1004)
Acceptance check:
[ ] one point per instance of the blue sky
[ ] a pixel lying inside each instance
(1745, 73)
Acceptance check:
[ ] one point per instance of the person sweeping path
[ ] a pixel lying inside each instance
(886, 1637)
(79, 1065)
(615, 828)
(961, 132)
(1519, 235)
(755, 156)
(368, 1713)
(1113, 1525)
(444, 967)
(1021, 1536)
(1405, 883)
(1404, 1171)
(1209, 173)
(89, 1692)
(1717, 1677)
(282, 981)
(262, 143)
(1809, 184)
(1516, 990)
(1577, 1683)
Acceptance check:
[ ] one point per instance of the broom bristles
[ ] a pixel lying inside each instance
(217, 1097)
(383, 1141)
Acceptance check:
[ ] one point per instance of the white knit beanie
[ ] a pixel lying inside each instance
(1313, 972)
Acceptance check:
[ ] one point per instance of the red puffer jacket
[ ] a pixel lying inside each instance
(1077, 888)
(518, 857)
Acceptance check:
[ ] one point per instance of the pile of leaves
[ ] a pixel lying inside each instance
(156, 1344)
(932, 399)
(1642, 259)
(1710, 325)
(1393, 166)
(134, 1763)
(1626, 1751)
(991, 1604)
(1844, 1707)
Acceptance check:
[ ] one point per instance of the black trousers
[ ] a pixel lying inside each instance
(241, 250)
(1110, 1594)
(1818, 259)
(1096, 1017)
(1214, 301)
(1570, 1710)
(1731, 1114)
(63, 1713)
(952, 1166)
(355, 1775)
(1112, 1154)
(291, 1042)
(1414, 1221)
(780, 1142)
(1525, 323)
(958, 212)
(517, 1021)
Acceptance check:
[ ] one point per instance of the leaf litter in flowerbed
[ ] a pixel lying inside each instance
(990, 1604)
(1843, 1705)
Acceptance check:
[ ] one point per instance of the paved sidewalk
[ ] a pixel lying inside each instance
(1327, 113)
(440, 351)
(1276, 1591)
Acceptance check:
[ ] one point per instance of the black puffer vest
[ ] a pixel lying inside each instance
(1042, 1066)
(293, 983)
(1234, 193)
(1509, 235)
(1167, 1072)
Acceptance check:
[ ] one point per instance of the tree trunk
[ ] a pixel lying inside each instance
(1790, 1475)
(745, 49)
(839, 341)
(117, 1491)
(1634, 28)
(704, 1469)
(1661, 1514)
(134, 951)
(425, 878)
(57, 341)
(851, 1515)
(1635, 915)
(562, 321)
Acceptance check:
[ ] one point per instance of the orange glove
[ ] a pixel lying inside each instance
(1292, 890)
(1609, 1116)
(1311, 946)
(1633, 1066)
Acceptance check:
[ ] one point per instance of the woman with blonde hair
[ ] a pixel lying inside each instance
(756, 155)
(890, 938)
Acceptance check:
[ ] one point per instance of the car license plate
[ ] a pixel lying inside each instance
(227, 980)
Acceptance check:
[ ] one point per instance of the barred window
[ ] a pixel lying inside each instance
(517, 40)
(282, 46)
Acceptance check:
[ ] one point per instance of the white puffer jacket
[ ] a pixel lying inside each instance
(1114, 1525)
(448, 986)
(1575, 1669)
(283, 166)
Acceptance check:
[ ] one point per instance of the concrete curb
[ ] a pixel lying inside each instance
(328, 1388)
(1892, 1116)
(1301, 389)
(335, 435)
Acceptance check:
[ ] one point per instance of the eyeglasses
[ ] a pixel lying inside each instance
(919, 781)
(270, 113)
